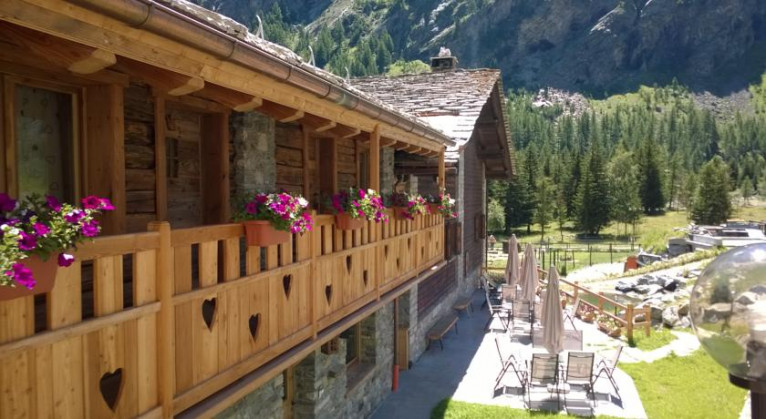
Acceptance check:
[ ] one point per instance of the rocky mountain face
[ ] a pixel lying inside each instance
(595, 46)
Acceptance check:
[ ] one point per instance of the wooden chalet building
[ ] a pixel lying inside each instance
(174, 112)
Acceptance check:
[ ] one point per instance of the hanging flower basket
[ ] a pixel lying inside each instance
(269, 219)
(354, 207)
(38, 227)
(346, 222)
(44, 272)
(262, 233)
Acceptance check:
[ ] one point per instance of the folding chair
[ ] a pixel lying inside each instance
(579, 372)
(569, 312)
(607, 366)
(496, 311)
(508, 292)
(544, 372)
(509, 362)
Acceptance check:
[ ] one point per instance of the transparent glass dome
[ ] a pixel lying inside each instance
(728, 311)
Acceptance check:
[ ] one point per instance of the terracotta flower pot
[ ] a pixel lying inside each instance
(588, 317)
(401, 213)
(346, 222)
(603, 327)
(44, 273)
(262, 233)
(433, 209)
(616, 332)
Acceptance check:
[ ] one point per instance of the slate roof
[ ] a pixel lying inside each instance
(450, 101)
(232, 28)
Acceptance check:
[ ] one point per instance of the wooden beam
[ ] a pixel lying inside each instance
(305, 154)
(169, 82)
(442, 177)
(344, 131)
(354, 133)
(105, 151)
(400, 145)
(215, 168)
(160, 160)
(77, 58)
(375, 159)
(280, 112)
(413, 149)
(387, 142)
(328, 126)
(238, 101)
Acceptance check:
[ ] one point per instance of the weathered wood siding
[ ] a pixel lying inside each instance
(183, 137)
(139, 157)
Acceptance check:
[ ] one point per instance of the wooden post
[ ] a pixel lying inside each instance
(442, 171)
(165, 329)
(215, 168)
(105, 151)
(314, 246)
(576, 290)
(647, 321)
(629, 318)
(375, 159)
(601, 302)
(306, 131)
(160, 160)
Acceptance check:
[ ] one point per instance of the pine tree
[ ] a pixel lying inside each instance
(623, 175)
(546, 201)
(712, 205)
(592, 200)
(518, 205)
(650, 178)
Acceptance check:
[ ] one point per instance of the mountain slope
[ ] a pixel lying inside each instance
(593, 46)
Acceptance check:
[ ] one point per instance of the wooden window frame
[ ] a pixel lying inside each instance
(356, 345)
(9, 172)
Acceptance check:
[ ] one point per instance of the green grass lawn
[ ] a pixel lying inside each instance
(652, 232)
(451, 409)
(657, 339)
(692, 386)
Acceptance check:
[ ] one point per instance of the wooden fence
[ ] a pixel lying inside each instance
(627, 320)
(150, 324)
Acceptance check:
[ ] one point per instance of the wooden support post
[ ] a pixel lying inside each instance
(576, 290)
(601, 303)
(306, 132)
(165, 329)
(215, 168)
(647, 321)
(105, 151)
(314, 236)
(160, 160)
(375, 159)
(442, 171)
(629, 317)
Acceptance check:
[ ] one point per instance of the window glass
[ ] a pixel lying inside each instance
(44, 142)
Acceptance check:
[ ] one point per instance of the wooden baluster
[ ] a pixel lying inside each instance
(165, 330)
(629, 319)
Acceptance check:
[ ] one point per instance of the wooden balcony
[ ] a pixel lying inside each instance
(153, 323)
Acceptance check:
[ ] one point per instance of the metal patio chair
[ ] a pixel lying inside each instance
(579, 372)
(607, 367)
(544, 372)
(509, 362)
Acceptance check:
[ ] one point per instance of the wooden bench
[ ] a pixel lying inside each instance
(464, 304)
(437, 331)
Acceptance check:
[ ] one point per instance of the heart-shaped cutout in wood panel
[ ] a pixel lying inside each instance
(365, 277)
(328, 294)
(287, 285)
(110, 387)
(253, 324)
(208, 312)
(348, 263)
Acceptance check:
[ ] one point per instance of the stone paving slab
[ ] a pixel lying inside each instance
(465, 370)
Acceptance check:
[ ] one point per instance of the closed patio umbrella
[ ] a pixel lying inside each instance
(552, 316)
(529, 277)
(512, 267)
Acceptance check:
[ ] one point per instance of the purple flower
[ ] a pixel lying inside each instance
(27, 242)
(361, 194)
(90, 228)
(261, 198)
(41, 229)
(251, 207)
(65, 260)
(53, 203)
(74, 217)
(91, 202)
(22, 275)
(7, 203)
(106, 205)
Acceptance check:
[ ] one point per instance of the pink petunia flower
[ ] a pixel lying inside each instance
(91, 202)
(65, 260)
(7, 203)
(22, 275)
(74, 217)
(90, 228)
(27, 242)
(53, 203)
(41, 229)
(106, 205)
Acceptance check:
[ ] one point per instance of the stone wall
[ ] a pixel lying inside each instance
(387, 177)
(265, 402)
(320, 382)
(251, 155)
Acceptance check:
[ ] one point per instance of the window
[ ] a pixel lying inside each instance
(353, 344)
(44, 123)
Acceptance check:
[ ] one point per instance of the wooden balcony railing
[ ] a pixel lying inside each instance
(152, 323)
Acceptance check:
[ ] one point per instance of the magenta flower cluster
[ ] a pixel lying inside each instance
(284, 211)
(42, 227)
(358, 203)
(408, 206)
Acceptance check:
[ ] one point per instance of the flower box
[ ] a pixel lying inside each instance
(344, 221)
(401, 213)
(44, 272)
(262, 233)
(603, 327)
(616, 332)
(433, 209)
(588, 317)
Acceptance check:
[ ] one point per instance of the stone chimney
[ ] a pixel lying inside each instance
(444, 61)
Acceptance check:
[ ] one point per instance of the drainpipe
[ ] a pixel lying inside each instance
(172, 24)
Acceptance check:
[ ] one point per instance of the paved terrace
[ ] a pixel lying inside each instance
(466, 369)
